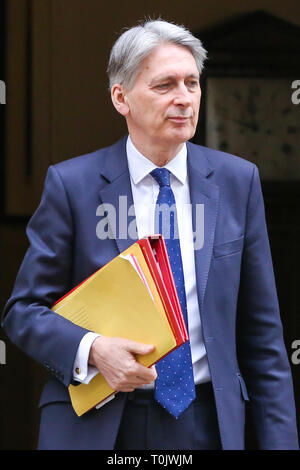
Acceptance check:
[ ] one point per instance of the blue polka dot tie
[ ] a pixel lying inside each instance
(174, 386)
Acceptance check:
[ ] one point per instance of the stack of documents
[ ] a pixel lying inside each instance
(133, 297)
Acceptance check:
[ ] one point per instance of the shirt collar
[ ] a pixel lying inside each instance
(140, 166)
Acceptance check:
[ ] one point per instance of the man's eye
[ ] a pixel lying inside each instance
(193, 83)
(162, 86)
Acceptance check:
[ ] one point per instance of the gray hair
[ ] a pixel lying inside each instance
(135, 44)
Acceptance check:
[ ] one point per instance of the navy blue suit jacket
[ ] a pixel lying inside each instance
(235, 285)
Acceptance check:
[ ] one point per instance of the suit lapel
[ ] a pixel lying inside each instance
(116, 196)
(202, 191)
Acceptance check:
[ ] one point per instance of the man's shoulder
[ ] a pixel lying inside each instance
(81, 166)
(91, 162)
(222, 161)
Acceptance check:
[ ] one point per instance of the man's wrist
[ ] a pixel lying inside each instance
(92, 354)
(81, 369)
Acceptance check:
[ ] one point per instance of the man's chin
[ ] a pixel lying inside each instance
(180, 136)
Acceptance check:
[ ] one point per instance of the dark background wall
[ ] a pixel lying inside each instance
(53, 56)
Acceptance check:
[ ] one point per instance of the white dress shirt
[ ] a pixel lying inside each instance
(145, 191)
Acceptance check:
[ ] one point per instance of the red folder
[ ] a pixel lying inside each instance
(156, 255)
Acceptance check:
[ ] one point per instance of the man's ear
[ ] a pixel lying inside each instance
(118, 97)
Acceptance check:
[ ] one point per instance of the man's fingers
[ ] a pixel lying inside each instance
(126, 389)
(145, 374)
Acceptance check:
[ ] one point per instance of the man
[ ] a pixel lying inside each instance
(226, 287)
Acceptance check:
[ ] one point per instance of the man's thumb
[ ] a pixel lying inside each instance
(140, 348)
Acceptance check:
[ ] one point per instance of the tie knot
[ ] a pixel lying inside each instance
(161, 176)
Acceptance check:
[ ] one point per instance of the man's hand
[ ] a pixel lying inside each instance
(114, 358)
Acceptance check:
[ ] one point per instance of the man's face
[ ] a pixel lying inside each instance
(163, 104)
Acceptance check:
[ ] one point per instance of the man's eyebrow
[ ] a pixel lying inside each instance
(162, 78)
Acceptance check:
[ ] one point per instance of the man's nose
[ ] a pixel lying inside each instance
(182, 95)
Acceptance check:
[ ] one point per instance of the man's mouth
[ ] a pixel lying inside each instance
(180, 119)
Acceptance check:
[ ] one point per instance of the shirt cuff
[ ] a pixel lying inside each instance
(82, 371)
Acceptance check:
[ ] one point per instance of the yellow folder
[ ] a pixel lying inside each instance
(115, 302)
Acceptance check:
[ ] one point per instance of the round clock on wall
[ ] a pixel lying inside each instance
(247, 107)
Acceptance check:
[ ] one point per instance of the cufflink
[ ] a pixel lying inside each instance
(78, 370)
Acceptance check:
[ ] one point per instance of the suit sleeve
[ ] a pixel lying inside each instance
(44, 276)
(261, 351)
